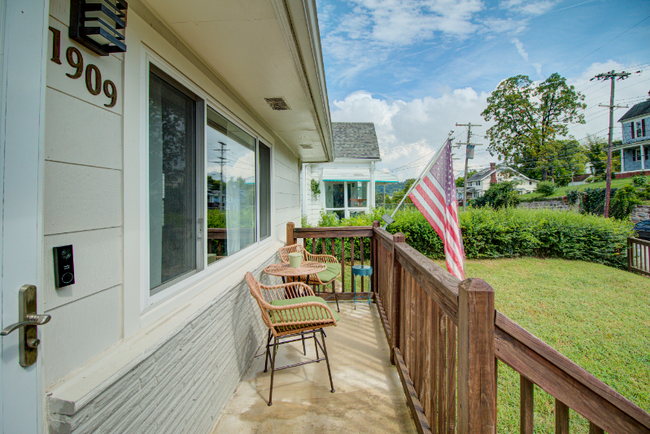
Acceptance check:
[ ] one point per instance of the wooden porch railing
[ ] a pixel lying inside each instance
(446, 337)
(338, 241)
(638, 255)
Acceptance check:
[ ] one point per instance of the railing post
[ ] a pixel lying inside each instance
(396, 287)
(476, 358)
(290, 237)
(373, 260)
(629, 254)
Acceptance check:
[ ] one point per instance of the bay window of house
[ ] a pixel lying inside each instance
(194, 157)
(346, 198)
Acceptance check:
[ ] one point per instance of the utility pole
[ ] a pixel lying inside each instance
(467, 145)
(222, 160)
(612, 76)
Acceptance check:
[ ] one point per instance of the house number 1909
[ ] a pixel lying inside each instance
(93, 76)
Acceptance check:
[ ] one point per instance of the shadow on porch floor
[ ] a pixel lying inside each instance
(368, 398)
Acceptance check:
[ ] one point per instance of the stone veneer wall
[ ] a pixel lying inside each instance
(640, 213)
(557, 205)
(182, 386)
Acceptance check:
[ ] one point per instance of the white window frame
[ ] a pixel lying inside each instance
(346, 210)
(203, 271)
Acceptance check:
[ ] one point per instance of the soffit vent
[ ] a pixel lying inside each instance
(277, 103)
(307, 146)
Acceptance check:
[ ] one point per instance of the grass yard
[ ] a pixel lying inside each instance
(597, 316)
(562, 191)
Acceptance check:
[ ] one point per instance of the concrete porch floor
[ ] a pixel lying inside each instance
(368, 399)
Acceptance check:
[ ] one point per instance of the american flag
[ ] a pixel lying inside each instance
(435, 196)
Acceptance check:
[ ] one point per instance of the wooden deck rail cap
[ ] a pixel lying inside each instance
(399, 238)
(475, 285)
(375, 224)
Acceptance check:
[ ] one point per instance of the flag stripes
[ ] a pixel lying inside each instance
(435, 197)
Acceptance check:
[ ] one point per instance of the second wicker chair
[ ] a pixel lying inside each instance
(331, 273)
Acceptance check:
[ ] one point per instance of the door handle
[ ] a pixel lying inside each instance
(34, 320)
(29, 320)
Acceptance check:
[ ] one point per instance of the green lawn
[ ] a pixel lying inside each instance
(616, 183)
(597, 316)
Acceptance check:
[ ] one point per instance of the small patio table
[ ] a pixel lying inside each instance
(285, 270)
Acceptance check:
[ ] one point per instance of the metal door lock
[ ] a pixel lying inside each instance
(29, 321)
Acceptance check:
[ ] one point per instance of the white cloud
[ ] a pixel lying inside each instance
(520, 48)
(365, 36)
(530, 8)
(410, 131)
(500, 25)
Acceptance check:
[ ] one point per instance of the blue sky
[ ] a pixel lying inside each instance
(415, 68)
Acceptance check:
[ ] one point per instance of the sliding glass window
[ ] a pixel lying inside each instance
(172, 180)
(231, 181)
(199, 158)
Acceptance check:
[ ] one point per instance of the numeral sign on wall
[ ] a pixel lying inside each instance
(92, 73)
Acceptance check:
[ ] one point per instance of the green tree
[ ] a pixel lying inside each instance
(596, 152)
(568, 159)
(529, 118)
(501, 195)
(397, 197)
(460, 181)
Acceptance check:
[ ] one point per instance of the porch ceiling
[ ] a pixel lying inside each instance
(262, 49)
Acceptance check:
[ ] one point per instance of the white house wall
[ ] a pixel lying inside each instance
(95, 198)
(313, 204)
(82, 206)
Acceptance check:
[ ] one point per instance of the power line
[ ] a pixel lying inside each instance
(613, 77)
(614, 38)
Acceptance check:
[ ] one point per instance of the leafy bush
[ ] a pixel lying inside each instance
(216, 218)
(546, 188)
(572, 196)
(640, 181)
(501, 195)
(315, 188)
(328, 219)
(623, 202)
(509, 233)
(593, 200)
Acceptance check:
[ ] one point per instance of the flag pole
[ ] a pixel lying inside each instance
(426, 169)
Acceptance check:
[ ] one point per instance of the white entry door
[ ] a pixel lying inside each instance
(22, 106)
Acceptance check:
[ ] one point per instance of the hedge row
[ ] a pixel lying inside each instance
(510, 233)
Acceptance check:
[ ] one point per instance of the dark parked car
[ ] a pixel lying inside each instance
(643, 229)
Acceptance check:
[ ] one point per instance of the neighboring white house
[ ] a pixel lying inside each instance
(479, 183)
(172, 169)
(635, 146)
(348, 184)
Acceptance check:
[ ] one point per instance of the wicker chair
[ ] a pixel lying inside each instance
(289, 310)
(323, 278)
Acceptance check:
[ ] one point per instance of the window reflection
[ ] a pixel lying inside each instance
(334, 195)
(357, 194)
(230, 187)
(172, 182)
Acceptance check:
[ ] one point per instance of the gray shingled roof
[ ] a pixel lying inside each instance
(640, 109)
(355, 140)
(480, 175)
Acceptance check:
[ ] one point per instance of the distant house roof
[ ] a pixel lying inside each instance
(355, 140)
(640, 109)
(478, 176)
(482, 174)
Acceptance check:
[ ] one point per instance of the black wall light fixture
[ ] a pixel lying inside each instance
(99, 25)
